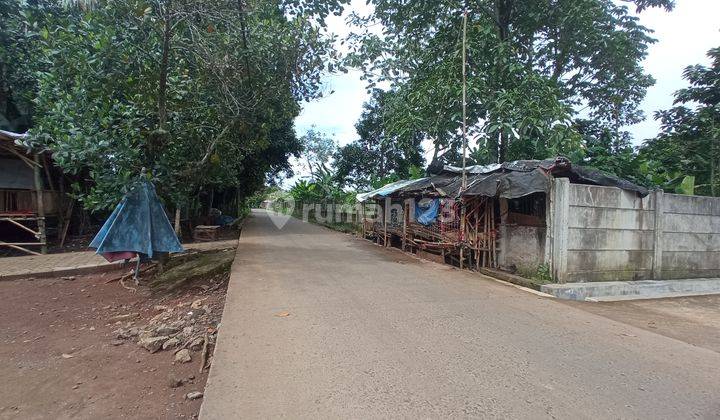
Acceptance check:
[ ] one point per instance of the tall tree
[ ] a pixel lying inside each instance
(19, 47)
(689, 143)
(607, 149)
(197, 93)
(532, 65)
(318, 151)
(379, 152)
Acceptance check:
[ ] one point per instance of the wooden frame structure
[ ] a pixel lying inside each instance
(436, 241)
(26, 209)
(481, 231)
(465, 233)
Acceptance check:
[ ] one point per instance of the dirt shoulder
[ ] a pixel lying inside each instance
(69, 348)
(694, 319)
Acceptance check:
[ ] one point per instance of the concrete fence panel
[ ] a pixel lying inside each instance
(691, 237)
(609, 234)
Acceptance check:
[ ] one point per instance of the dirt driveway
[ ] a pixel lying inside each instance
(694, 320)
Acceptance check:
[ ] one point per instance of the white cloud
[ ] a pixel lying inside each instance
(338, 111)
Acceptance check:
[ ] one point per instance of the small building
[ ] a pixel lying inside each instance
(567, 221)
(26, 204)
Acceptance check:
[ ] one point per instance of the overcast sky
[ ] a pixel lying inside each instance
(684, 36)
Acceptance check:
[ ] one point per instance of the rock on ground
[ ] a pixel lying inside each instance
(152, 344)
(194, 395)
(171, 343)
(183, 356)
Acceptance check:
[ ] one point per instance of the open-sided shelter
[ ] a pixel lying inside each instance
(25, 202)
(572, 222)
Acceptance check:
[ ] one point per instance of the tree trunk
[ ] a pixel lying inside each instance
(162, 90)
(243, 29)
(502, 147)
(178, 229)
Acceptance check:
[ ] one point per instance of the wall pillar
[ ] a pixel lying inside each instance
(560, 220)
(502, 231)
(657, 235)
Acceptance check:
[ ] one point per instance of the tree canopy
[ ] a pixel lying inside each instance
(378, 153)
(187, 92)
(532, 67)
(689, 142)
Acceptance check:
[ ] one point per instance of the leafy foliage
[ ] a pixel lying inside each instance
(187, 92)
(608, 150)
(685, 156)
(531, 65)
(379, 152)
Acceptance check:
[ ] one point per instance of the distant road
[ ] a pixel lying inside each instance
(319, 324)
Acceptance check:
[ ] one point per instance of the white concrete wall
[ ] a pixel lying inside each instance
(690, 239)
(522, 248)
(605, 233)
(610, 234)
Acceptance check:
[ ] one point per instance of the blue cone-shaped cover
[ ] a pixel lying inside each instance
(138, 224)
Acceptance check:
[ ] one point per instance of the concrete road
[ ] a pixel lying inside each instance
(322, 325)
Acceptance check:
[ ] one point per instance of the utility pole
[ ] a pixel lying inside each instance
(464, 98)
(464, 134)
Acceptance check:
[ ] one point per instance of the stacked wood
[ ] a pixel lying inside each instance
(206, 233)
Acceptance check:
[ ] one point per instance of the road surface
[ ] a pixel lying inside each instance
(319, 324)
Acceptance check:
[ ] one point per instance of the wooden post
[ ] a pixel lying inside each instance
(40, 204)
(386, 214)
(66, 223)
(362, 219)
(406, 212)
(464, 103)
(178, 228)
(503, 230)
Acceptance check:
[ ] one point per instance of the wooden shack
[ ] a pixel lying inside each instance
(500, 219)
(26, 203)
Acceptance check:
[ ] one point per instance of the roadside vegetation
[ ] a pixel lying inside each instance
(198, 96)
(574, 93)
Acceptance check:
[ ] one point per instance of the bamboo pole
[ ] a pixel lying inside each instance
(40, 204)
(464, 98)
(385, 217)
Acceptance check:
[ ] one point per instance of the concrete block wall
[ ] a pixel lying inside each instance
(522, 248)
(690, 240)
(606, 234)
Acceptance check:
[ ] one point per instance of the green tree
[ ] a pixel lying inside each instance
(689, 142)
(318, 151)
(18, 50)
(531, 66)
(199, 94)
(379, 152)
(608, 150)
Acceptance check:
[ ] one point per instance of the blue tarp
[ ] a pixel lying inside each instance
(138, 224)
(426, 212)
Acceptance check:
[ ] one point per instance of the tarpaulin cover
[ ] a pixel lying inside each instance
(511, 185)
(509, 180)
(426, 212)
(387, 189)
(435, 183)
(138, 224)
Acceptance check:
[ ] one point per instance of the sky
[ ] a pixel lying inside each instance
(683, 38)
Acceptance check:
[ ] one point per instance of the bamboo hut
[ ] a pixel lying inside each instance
(499, 220)
(26, 202)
